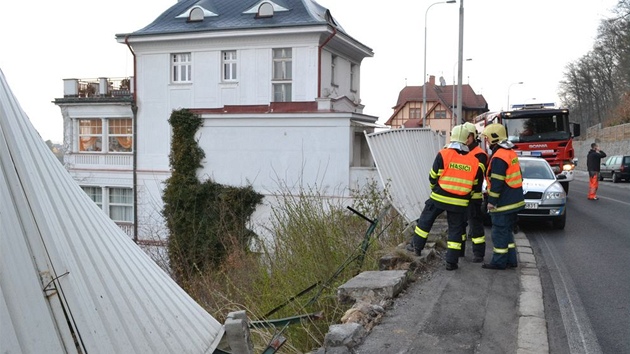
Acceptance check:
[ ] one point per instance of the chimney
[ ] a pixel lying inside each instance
(432, 80)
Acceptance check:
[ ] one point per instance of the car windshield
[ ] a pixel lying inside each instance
(536, 169)
(550, 128)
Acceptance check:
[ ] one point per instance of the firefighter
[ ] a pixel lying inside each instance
(475, 217)
(453, 178)
(593, 161)
(505, 196)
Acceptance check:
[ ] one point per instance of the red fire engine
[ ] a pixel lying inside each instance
(541, 130)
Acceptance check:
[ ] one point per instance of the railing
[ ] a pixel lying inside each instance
(115, 161)
(98, 88)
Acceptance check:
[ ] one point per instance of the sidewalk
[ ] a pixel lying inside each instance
(469, 310)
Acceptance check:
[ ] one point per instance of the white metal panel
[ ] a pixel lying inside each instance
(404, 158)
(117, 300)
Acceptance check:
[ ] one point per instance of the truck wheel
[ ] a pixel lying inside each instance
(565, 185)
(615, 178)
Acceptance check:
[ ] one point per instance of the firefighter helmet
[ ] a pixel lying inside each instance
(459, 134)
(495, 133)
(470, 128)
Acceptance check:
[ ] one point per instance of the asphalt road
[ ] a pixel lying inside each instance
(585, 271)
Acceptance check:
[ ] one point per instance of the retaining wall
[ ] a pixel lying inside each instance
(612, 140)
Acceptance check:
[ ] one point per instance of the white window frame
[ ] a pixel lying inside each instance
(333, 70)
(282, 74)
(125, 204)
(95, 193)
(229, 65)
(354, 87)
(103, 140)
(88, 139)
(121, 136)
(181, 68)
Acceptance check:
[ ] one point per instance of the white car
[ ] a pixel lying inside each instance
(545, 198)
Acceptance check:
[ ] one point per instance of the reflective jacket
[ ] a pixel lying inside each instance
(505, 182)
(482, 157)
(453, 178)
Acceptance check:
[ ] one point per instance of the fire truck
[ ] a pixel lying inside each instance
(541, 130)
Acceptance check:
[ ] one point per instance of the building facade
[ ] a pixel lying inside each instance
(441, 106)
(277, 85)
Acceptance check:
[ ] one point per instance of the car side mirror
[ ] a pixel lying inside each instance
(561, 177)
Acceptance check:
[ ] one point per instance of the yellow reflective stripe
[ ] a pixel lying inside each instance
(440, 172)
(516, 182)
(494, 194)
(497, 176)
(432, 174)
(449, 200)
(452, 187)
(431, 185)
(508, 207)
(421, 232)
(478, 240)
(457, 180)
(500, 250)
(454, 245)
(463, 237)
(511, 245)
(477, 195)
(483, 168)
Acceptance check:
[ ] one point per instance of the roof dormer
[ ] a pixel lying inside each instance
(196, 14)
(265, 8)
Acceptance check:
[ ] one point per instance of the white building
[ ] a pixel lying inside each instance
(278, 87)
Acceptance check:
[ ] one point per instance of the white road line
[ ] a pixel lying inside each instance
(577, 325)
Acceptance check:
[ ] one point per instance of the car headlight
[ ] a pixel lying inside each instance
(554, 192)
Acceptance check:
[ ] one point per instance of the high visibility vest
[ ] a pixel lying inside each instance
(457, 177)
(512, 176)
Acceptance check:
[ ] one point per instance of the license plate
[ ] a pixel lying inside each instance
(531, 206)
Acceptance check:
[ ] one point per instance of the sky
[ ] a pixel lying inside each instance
(507, 41)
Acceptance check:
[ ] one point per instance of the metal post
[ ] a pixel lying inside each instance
(424, 75)
(453, 104)
(460, 55)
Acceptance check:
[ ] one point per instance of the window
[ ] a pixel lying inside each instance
(354, 76)
(229, 65)
(182, 67)
(121, 204)
(333, 71)
(282, 75)
(415, 113)
(440, 114)
(96, 194)
(90, 135)
(117, 132)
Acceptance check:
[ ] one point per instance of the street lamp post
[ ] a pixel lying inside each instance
(453, 103)
(460, 56)
(508, 96)
(424, 75)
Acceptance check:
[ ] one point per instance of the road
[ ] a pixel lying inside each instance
(585, 271)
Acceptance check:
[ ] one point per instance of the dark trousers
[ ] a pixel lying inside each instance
(476, 231)
(504, 250)
(456, 222)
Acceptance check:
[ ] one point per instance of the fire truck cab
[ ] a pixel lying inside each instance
(540, 130)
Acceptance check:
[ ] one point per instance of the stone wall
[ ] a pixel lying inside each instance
(612, 140)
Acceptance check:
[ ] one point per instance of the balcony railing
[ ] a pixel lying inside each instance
(98, 88)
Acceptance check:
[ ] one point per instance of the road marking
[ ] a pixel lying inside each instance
(580, 334)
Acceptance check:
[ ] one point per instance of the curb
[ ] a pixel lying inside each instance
(532, 326)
